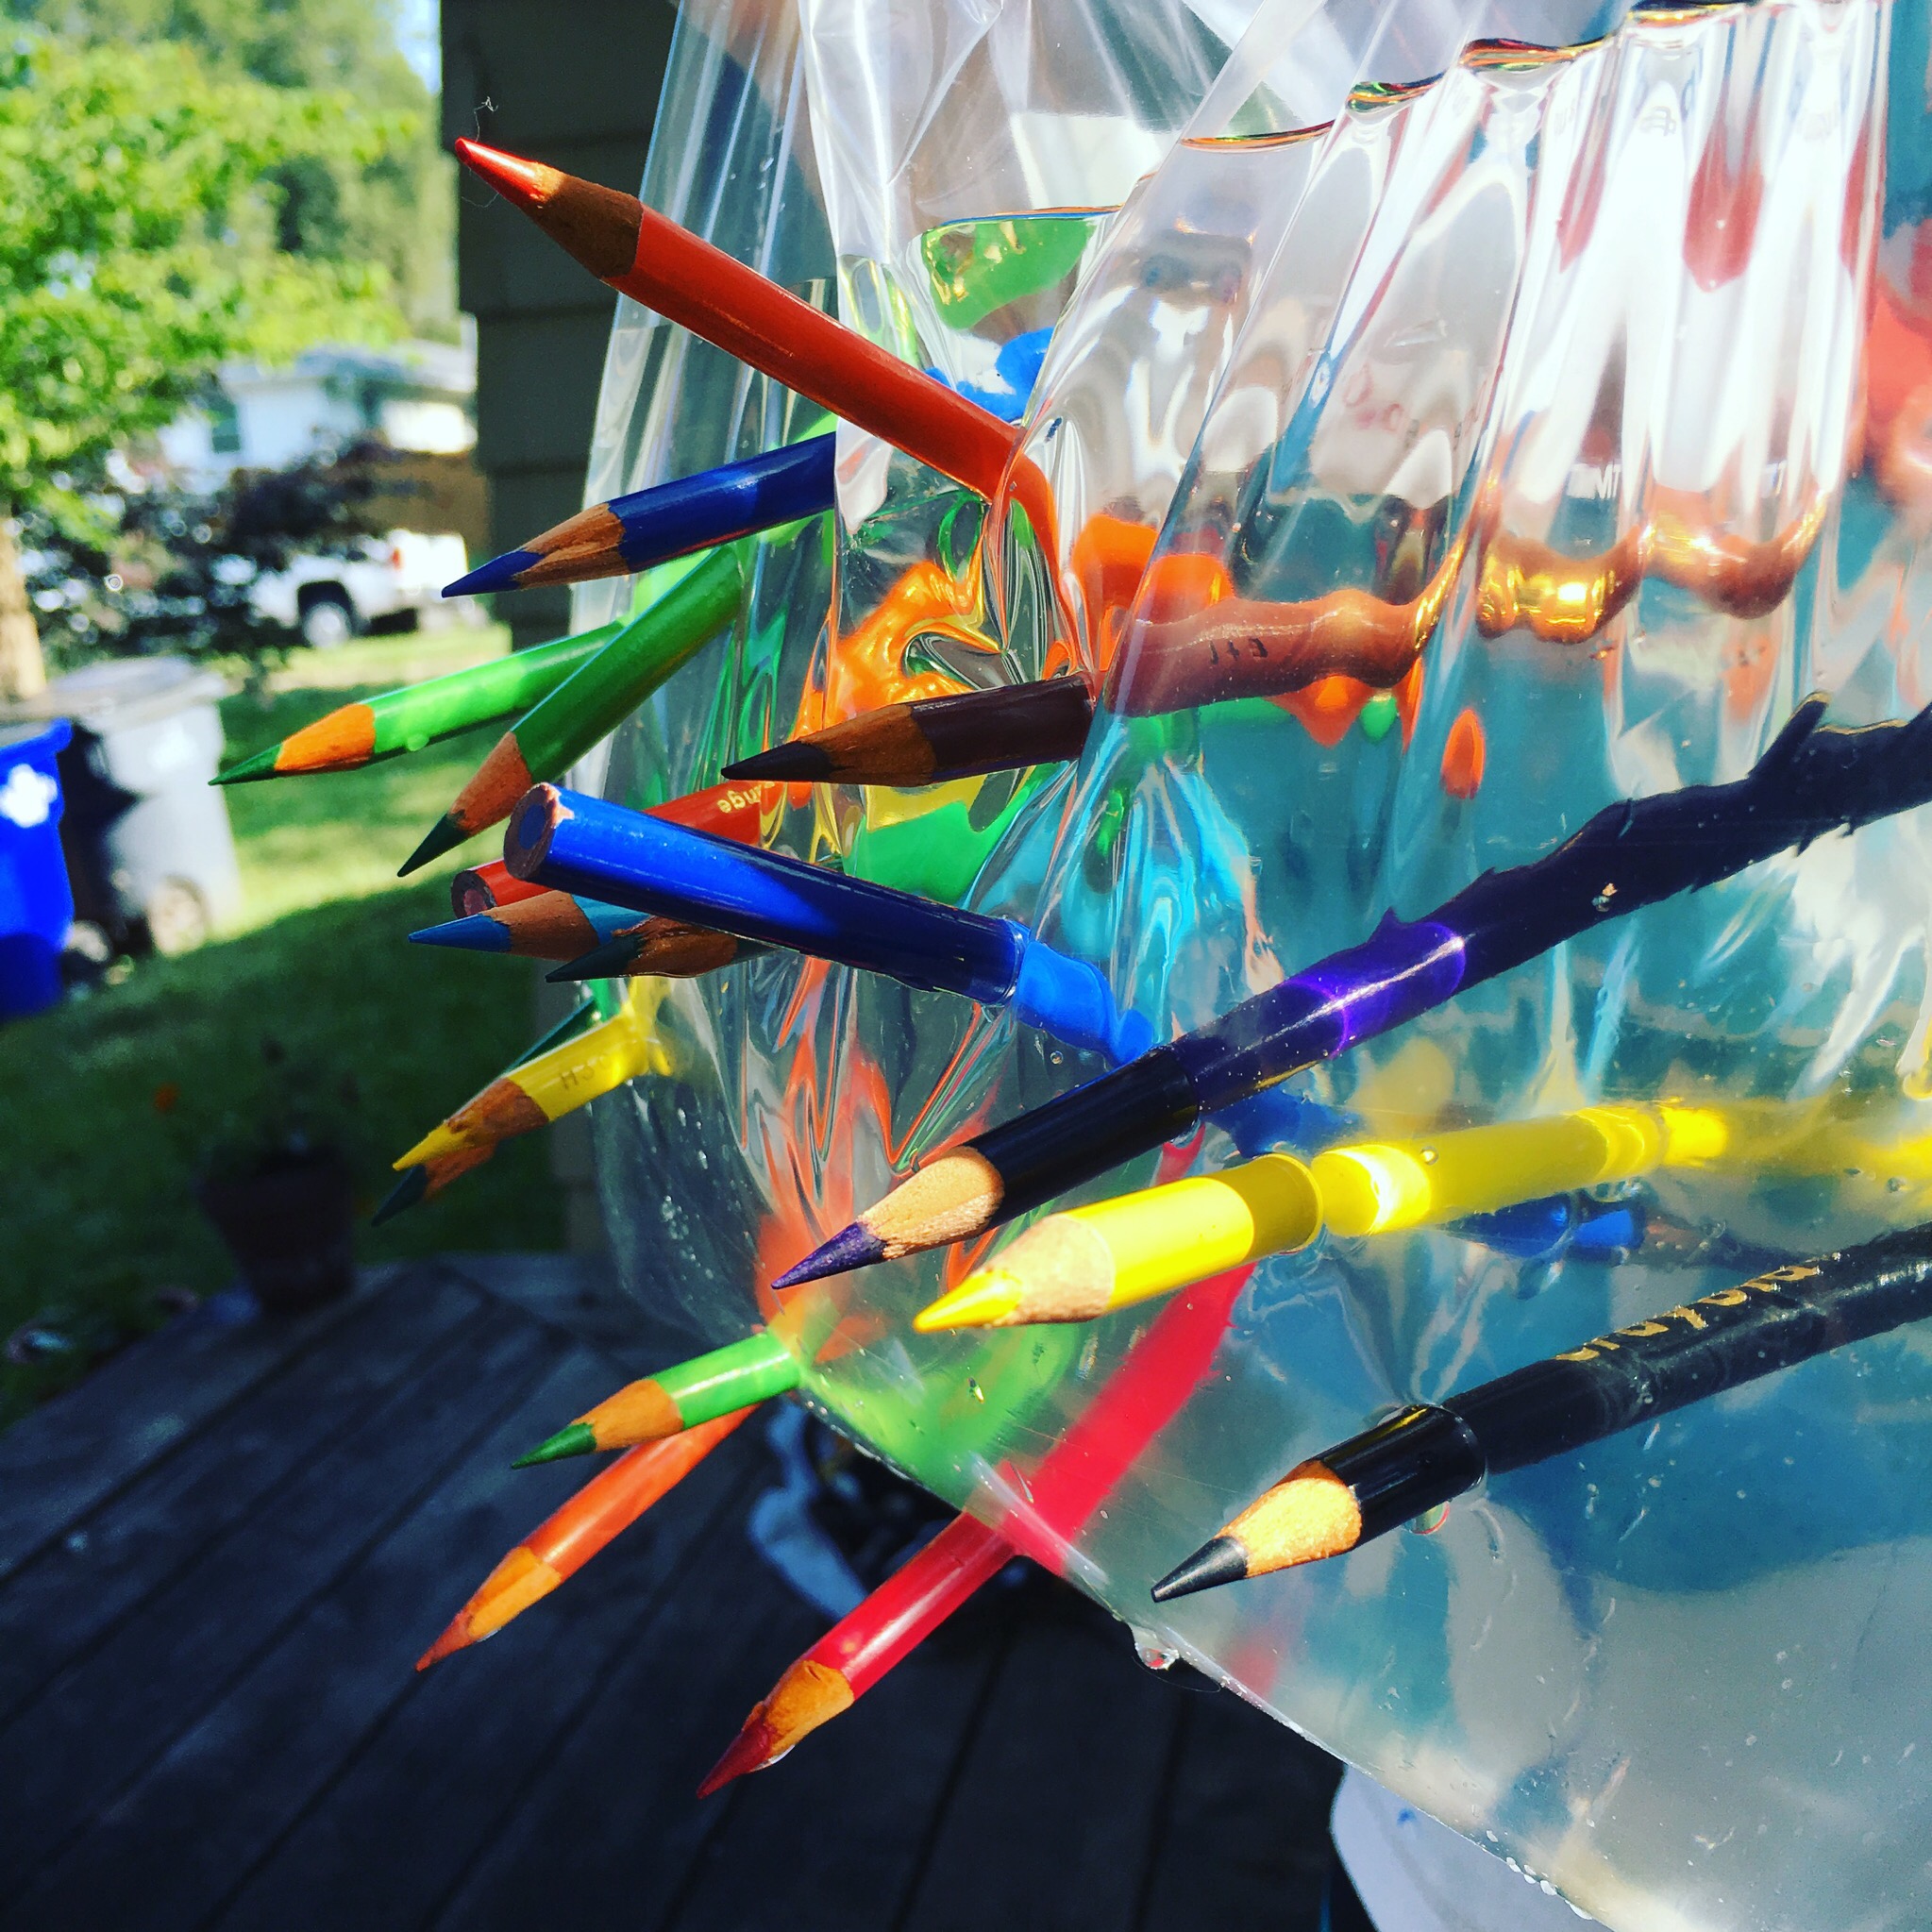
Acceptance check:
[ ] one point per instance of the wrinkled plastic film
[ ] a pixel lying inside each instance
(1590, 380)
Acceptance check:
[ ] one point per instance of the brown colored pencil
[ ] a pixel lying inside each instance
(937, 739)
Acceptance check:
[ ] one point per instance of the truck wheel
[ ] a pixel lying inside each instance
(328, 620)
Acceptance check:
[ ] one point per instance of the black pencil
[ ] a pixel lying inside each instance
(937, 739)
(1428, 1452)
(1811, 780)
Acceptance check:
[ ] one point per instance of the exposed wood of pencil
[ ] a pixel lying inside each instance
(951, 1199)
(1311, 1513)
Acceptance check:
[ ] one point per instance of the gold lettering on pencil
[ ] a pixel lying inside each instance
(1644, 1328)
(1797, 1272)
(1726, 1298)
(1583, 1355)
(1689, 1314)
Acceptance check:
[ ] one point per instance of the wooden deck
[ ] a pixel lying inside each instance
(220, 1557)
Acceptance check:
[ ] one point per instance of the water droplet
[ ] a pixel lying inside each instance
(1601, 901)
(1428, 1156)
(1896, 1186)
(974, 1390)
(1152, 1651)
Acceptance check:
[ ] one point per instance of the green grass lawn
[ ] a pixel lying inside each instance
(99, 1212)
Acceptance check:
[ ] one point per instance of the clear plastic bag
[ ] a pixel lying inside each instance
(1555, 413)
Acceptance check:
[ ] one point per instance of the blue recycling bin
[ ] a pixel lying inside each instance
(36, 906)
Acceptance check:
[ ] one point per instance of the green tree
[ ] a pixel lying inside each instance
(397, 207)
(143, 203)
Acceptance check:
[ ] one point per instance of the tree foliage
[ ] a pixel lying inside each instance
(139, 246)
(395, 208)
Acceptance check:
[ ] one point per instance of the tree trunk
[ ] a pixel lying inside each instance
(22, 670)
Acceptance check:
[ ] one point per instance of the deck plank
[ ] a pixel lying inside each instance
(69, 1456)
(1244, 1838)
(462, 1745)
(99, 1727)
(76, 1590)
(619, 1792)
(834, 1839)
(1052, 1819)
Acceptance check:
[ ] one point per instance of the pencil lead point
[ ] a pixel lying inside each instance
(499, 573)
(403, 1195)
(261, 766)
(750, 1751)
(444, 836)
(855, 1246)
(981, 1301)
(795, 763)
(1219, 1560)
(576, 1438)
(529, 184)
(473, 933)
(439, 1140)
(456, 1637)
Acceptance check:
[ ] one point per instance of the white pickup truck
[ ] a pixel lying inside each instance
(330, 600)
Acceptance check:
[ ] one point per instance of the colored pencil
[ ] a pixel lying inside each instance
(394, 722)
(1091, 1260)
(425, 1182)
(1160, 1371)
(593, 701)
(563, 1542)
(653, 260)
(477, 888)
(937, 739)
(584, 845)
(659, 949)
(678, 1398)
(1429, 1453)
(631, 534)
(538, 1091)
(1810, 781)
(553, 925)
(1076, 1266)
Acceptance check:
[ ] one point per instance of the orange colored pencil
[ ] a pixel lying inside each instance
(562, 1544)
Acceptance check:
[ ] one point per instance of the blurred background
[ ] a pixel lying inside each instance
(264, 388)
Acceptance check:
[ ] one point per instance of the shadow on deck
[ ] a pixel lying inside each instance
(220, 1557)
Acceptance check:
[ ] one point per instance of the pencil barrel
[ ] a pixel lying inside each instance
(420, 714)
(730, 1378)
(602, 692)
(635, 859)
(1408, 1463)
(1041, 723)
(721, 505)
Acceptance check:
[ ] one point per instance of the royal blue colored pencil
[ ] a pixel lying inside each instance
(630, 533)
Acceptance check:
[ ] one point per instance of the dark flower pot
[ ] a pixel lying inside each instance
(290, 1224)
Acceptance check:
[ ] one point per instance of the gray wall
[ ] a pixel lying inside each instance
(575, 85)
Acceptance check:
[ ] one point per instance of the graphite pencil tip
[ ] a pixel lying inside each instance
(444, 836)
(796, 762)
(499, 573)
(855, 1246)
(473, 933)
(259, 767)
(403, 1195)
(981, 1301)
(574, 1438)
(1222, 1559)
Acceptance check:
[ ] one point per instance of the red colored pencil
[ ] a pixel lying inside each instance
(477, 888)
(1076, 1476)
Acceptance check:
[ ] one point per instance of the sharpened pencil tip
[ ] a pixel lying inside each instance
(499, 573)
(444, 836)
(981, 1301)
(1219, 1560)
(745, 1753)
(527, 183)
(576, 1438)
(403, 1195)
(855, 1246)
(260, 766)
(795, 764)
(456, 1637)
(473, 933)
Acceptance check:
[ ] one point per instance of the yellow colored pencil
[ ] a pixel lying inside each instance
(567, 1077)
